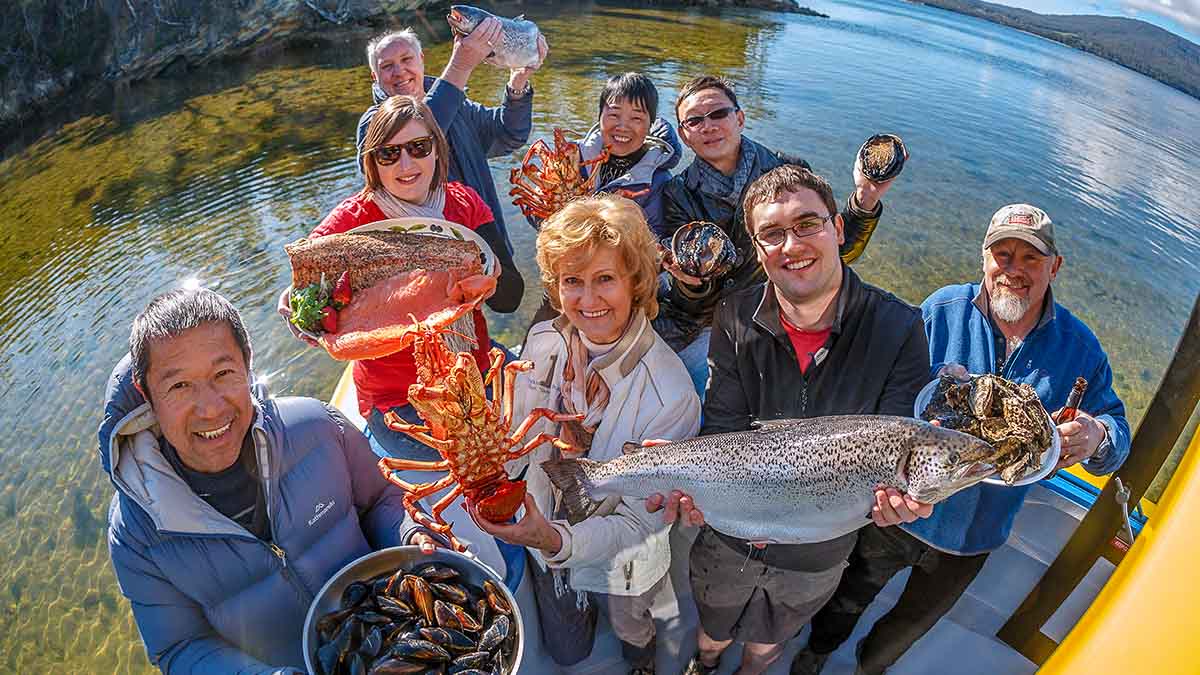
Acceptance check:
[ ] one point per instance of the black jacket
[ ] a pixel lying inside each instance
(684, 311)
(875, 361)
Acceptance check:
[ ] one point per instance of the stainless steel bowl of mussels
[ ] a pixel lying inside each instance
(882, 157)
(402, 611)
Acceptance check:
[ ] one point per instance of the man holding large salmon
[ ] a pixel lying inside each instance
(813, 340)
(1009, 325)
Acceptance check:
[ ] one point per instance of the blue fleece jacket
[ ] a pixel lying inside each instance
(208, 596)
(1058, 350)
(475, 133)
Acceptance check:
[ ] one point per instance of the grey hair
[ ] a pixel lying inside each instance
(408, 36)
(174, 312)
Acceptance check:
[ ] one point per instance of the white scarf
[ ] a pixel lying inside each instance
(394, 207)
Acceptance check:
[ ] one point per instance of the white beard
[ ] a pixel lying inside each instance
(1009, 307)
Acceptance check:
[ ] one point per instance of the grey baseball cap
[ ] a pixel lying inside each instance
(1027, 223)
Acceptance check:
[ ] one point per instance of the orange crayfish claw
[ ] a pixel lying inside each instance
(502, 503)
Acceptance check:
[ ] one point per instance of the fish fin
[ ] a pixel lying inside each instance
(631, 448)
(570, 476)
(767, 425)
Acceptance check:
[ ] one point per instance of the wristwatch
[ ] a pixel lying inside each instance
(520, 94)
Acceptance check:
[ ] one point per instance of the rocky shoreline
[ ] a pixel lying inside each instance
(63, 49)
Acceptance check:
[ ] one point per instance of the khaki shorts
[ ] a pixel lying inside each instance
(740, 597)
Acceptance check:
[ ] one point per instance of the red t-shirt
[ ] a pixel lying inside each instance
(806, 343)
(383, 383)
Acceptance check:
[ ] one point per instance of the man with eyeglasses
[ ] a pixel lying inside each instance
(475, 132)
(813, 340)
(711, 189)
(1008, 324)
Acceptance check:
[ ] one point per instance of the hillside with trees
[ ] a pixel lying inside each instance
(1135, 44)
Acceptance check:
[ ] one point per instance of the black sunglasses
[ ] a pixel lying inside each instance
(696, 121)
(418, 148)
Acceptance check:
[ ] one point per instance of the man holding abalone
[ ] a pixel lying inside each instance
(1008, 325)
(711, 190)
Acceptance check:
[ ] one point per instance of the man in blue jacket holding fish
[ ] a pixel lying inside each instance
(1008, 325)
(475, 132)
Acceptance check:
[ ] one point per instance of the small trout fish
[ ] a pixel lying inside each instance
(518, 46)
(786, 481)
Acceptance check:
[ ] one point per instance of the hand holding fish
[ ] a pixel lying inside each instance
(893, 508)
(1080, 438)
(470, 51)
(518, 78)
(678, 504)
(868, 193)
(532, 531)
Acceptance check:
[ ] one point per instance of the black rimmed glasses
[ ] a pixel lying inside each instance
(696, 121)
(417, 148)
(774, 237)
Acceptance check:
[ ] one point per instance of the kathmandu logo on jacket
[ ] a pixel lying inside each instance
(320, 510)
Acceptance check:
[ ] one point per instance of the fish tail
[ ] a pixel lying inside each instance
(571, 477)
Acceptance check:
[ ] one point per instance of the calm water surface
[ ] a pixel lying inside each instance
(209, 174)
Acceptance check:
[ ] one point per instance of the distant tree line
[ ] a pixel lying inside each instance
(1135, 44)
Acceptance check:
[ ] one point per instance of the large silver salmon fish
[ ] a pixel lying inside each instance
(787, 481)
(518, 46)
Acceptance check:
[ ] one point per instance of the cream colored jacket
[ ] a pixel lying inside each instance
(621, 551)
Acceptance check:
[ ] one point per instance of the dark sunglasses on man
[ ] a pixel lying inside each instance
(418, 148)
(697, 121)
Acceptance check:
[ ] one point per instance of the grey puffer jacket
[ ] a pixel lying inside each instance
(208, 596)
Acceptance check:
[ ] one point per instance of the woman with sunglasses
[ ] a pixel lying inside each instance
(405, 165)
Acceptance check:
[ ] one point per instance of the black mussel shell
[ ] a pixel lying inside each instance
(328, 656)
(449, 592)
(495, 633)
(422, 598)
(328, 625)
(474, 660)
(395, 586)
(881, 157)
(390, 666)
(436, 572)
(481, 611)
(372, 643)
(355, 593)
(495, 597)
(470, 671)
(455, 641)
(379, 587)
(420, 650)
(355, 665)
(703, 250)
(373, 618)
(445, 615)
(393, 607)
(348, 636)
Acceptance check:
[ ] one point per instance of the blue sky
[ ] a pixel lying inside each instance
(1181, 17)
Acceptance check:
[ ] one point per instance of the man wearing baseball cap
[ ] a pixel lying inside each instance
(1009, 325)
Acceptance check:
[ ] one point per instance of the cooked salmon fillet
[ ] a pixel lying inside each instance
(380, 320)
(373, 256)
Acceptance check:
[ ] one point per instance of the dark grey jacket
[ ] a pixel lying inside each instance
(874, 363)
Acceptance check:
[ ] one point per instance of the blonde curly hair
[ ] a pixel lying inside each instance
(608, 221)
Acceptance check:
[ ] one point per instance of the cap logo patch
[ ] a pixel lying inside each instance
(1024, 219)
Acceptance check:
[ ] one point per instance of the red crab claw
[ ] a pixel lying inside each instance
(502, 504)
